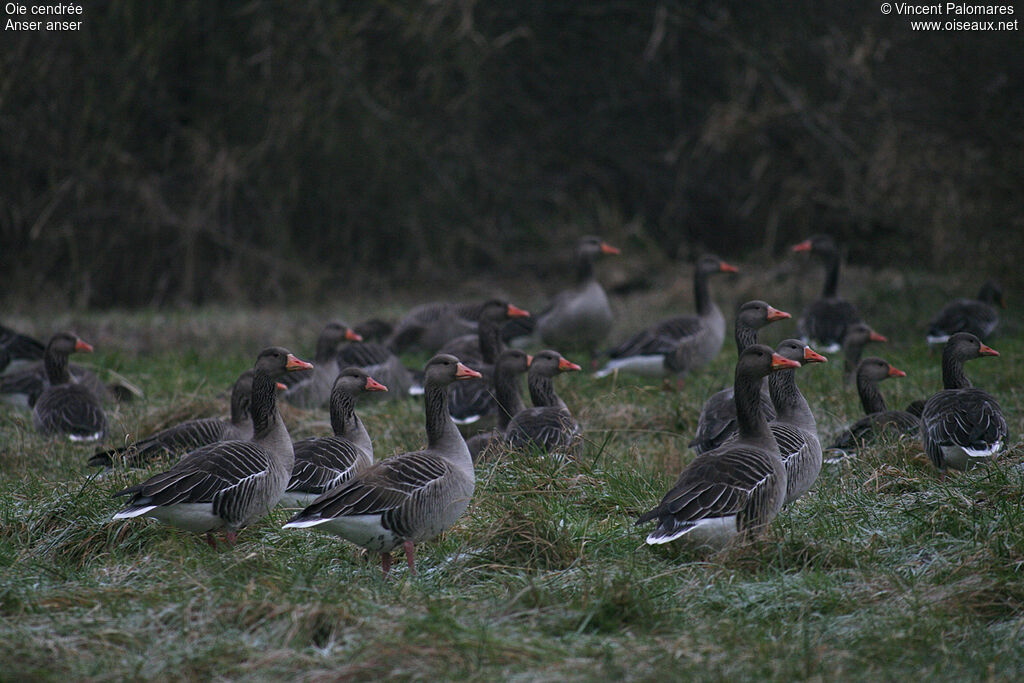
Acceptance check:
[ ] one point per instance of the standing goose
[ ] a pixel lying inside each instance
(794, 428)
(579, 317)
(677, 345)
(323, 463)
(824, 321)
(190, 435)
(312, 389)
(549, 425)
(877, 417)
(471, 400)
(231, 484)
(717, 421)
(408, 498)
(65, 407)
(511, 363)
(960, 425)
(739, 487)
(855, 338)
(975, 316)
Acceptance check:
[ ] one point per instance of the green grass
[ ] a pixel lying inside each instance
(882, 572)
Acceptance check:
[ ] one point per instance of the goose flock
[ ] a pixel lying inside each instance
(757, 446)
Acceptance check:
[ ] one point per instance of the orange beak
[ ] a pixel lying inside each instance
(529, 359)
(812, 356)
(609, 249)
(803, 246)
(296, 364)
(352, 335)
(875, 337)
(374, 385)
(780, 363)
(727, 268)
(896, 372)
(987, 351)
(83, 346)
(462, 372)
(516, 312)
(565, 365)
(775, 314)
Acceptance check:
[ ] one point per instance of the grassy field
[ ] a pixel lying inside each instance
(882, 572)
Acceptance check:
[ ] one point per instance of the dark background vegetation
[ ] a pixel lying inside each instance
(176, 152)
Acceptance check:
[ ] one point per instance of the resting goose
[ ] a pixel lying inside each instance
(323, 463)
(18, 349)
(579, 317)
(510, 364)
(190, 435)
(471, 400)
(855, 338)
(960, 425)
(824, 321)
(312, 389)
(408, 498)
(64, 406)
(717, 421)
(23, 387)
(976, 316)
(676, 346)
(877, 417)
(549, 425)
(739, 487)
(794, 427)
(230, 484)
(430, 326)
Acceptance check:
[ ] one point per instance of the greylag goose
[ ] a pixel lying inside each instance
(676, 346)
(510, 364)
(738, 488)
(877, 417)
(408, 498)
(190, 435)
(579, 317)
(976, 316)
(380, 362)
(430, 326)
(230, 484)
(855, 338)
(794, 427)
(960, 425)
(18, 349)
(65, 407)
(24, 386)
(471, 400)
(824, 321)
(549, 425)
(717, 421)
(312, 389)
(323, 463)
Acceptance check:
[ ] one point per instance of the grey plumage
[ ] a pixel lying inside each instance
(824, 322)
(187, 436)
(878, 419)
(962, 426)
(325, 462)
(738, 488)
(717, 420)
(65, 407)
(408, 498)
(679, 345)
(226, 485)
(312, 388)
(549, 425)
(977, 316)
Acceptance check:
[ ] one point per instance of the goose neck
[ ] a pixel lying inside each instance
(871, 398)
(953, 375)
(489, 332)
(542, 391)
(831, 274)
(56, 366)
(506, 393)
(750, 419)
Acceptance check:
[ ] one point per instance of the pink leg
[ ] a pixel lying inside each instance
(409, 550)
(385, 563)
(232, 537)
